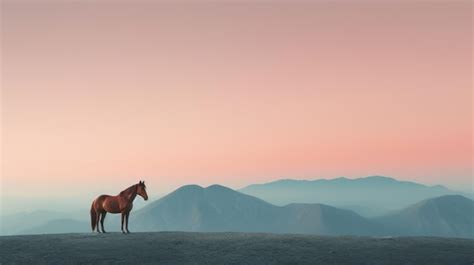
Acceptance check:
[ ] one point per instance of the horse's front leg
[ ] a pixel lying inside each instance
(126, 224)
(123, 220)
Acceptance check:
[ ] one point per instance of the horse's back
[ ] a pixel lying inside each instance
(107, 203)
(100, 200)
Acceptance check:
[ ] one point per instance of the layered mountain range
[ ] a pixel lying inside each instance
(220, 209)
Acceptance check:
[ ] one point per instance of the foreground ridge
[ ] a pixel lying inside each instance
(232, 248)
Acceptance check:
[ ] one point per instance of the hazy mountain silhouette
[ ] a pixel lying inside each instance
(370, 196)
(15, 223)
(59, 226)
(217, 208)
(451, 215)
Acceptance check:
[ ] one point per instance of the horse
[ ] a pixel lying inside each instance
(122, 203)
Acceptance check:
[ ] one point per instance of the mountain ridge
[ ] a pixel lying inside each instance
(218, 208)
(369, 196)
(448, 215)
(339, 179)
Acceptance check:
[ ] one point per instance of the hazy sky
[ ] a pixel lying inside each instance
(100, 94)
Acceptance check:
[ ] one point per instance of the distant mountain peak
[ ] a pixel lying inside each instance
(189, 187)
(377, 177)
(195, 187)
(439, 187)
(218, 187)
(449, 198)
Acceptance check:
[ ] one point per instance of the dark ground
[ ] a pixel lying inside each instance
(231, 248)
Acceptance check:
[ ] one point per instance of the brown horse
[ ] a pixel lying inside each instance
(122, 203)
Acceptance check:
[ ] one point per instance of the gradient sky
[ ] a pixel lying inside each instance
(98, 94)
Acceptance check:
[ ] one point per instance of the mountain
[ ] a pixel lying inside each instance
(220, 209)
(451, 216)
(217, 208)
(14, 223)
(59, 226)
(370, 196)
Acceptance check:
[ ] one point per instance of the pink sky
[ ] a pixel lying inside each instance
(100, 94)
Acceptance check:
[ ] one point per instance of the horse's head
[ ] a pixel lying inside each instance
(141, 190)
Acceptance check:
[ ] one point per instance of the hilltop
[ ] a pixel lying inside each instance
(230, 248)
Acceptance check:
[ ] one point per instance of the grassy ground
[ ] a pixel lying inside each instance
(231, 248)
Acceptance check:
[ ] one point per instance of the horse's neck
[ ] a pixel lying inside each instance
(130, 193)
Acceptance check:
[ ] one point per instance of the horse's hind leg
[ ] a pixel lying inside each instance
(102, 217)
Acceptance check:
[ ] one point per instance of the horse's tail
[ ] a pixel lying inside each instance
(93, 217)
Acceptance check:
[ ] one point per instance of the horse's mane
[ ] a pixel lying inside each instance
(129, 190)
